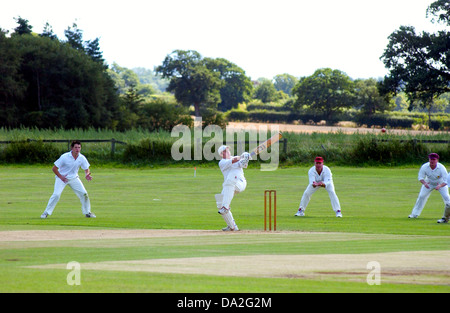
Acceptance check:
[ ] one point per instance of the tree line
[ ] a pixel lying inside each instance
(47, 82)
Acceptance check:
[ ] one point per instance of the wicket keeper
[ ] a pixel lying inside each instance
(319, 177)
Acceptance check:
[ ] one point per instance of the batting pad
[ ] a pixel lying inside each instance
(228, 217)
(219, 199)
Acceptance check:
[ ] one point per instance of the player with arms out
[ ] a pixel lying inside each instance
(66, 170)
(234, 183)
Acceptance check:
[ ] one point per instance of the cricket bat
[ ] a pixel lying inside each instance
(266, 144)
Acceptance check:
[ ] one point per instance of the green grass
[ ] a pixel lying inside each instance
(375, 204)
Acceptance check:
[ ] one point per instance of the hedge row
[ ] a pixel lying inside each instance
(365, 151)
(393, 120)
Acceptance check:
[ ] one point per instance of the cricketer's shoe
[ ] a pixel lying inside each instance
(44, 215)
(90, 214)
(300, 212)
(442, 220)
(338, 213)
(413, 216)
(228, 228)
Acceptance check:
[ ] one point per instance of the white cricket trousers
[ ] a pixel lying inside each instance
(77, 187)
(230, 188)
(310, 190)
(425, 194)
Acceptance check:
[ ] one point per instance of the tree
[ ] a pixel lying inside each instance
(368, 97)
(132, 99)
(266, 91)
(12, 86)
(23, 28)
(285, 83)
(190, 80)
(92, 48)
(441, 10)
(419, 64)
(54, 85)
(74, 37)
(327, 91)
(237, 87)
(48, 32)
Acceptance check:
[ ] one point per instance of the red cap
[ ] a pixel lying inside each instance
(433, 156)
(318, 159)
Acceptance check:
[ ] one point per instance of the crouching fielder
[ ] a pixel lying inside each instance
(319, 176)
(432, 176)
(234, 183)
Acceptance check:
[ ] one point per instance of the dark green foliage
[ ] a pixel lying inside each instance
(162, 115)
(394, 152)
(147, 151)
(53, 85)
(30, 152)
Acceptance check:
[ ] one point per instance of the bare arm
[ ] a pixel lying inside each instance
(56, 171)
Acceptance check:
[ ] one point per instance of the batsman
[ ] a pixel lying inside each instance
(234, 183)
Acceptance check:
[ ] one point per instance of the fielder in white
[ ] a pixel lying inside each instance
(319, 176)
(66, 170)
(446, 216)
(234, 183)
(433, 176)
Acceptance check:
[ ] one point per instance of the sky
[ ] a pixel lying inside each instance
(263, 37)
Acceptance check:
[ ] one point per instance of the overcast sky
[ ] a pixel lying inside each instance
(263, 37)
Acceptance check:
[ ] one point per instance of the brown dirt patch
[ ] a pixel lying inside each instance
(412, 267)
(417, 267)
(43, 235)
(325, 129)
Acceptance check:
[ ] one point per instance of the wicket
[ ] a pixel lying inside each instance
(270, 192)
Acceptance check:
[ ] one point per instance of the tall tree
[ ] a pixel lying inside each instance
(266, 91)
(12, 86)
(23, 28)
(48, 32)
(285, 83)
(236, 88)
(327, 91)
(190, 80)
(92, 48)
(419, 63)
(368, 97)
(74, 37)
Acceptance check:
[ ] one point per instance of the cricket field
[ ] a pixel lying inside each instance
(158, 231)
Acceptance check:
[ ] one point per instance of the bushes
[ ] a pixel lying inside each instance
(146, 149)
(30, 152)
(394, 152)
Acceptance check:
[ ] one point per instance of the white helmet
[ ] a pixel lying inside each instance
(221, 149)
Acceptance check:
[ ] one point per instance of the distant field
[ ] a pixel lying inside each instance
(159, 231)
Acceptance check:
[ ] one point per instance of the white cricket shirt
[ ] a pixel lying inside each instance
(325, 176)
(434, 177)
(67, 165)
(230, 169)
